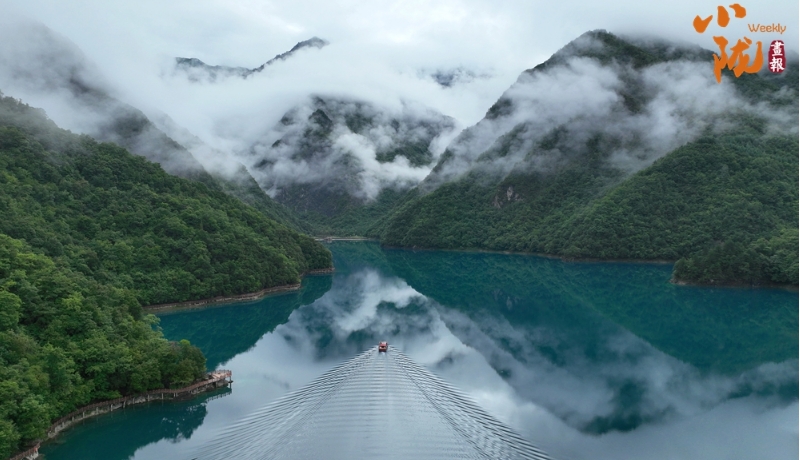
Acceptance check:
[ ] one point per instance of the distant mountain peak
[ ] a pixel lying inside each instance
(639, 52)
(197, 70)
(314, 42)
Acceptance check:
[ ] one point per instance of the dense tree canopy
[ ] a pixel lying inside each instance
(67, 340)
(725, 206)
(121, 219)
(88, 234)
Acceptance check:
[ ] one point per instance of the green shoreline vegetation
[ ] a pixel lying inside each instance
(68, 340)
(88, 234)
(723, 208)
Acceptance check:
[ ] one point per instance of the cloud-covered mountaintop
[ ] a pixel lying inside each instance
(47, 70)
(622, 148)
(630, 100)
(197, 70)
(450, 77)
(336, 145)
(329, 146)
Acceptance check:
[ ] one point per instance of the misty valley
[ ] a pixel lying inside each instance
(605, 259)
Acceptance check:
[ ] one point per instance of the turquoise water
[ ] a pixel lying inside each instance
(587, 360)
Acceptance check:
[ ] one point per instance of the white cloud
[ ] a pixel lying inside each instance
(372, 44)
(377, 52)
(679, 101)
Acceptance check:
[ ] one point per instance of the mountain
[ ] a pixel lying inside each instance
(120, 218)
(88, 234)
(198, 71)
(342, 164)
(50, 69)
(618, 148)
(238, 182)
(447, 78)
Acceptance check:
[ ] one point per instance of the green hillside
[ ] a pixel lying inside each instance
(723, 205)
(88, 234)
(67, 340)
(118, 218)
(729, 200)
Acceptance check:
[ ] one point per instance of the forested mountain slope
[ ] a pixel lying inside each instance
(121, 219)
(88, 234)
(617, 149)
(67, 339)
(38, 63)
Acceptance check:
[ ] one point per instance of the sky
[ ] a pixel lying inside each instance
(377, 51)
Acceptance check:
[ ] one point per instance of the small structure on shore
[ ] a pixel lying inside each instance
(213, 380)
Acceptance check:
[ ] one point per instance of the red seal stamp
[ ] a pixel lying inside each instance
(776, 58)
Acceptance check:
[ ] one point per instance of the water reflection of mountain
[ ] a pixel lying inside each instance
(352, 256)
(542, 324)
(125, 431)
(224, 332)
(579, 339)
(714, 329)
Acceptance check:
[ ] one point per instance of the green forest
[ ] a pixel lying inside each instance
(67, 339)
(724, 207)
(89, 234)
(121, 219)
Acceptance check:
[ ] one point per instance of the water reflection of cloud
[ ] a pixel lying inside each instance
(550, 386)
(625, 383)
(543, 382)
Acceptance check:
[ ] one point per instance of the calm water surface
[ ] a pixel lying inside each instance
(586, 360)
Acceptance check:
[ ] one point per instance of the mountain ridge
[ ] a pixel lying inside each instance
(543, 156)
(197, 70)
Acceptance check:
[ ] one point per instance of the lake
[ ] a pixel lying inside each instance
(586, 360)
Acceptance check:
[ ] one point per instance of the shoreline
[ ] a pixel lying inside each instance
(787, 287)
(246, 297)
(238, 298)
(736, 285)
(329, 239)
(213, 380)
(539, 254)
